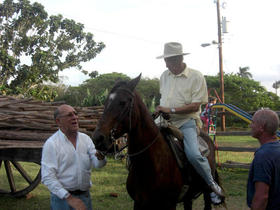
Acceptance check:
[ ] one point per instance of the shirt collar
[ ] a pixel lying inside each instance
(64, 136)
(184, 73)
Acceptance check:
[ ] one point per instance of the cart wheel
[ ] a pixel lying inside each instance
(19, 181)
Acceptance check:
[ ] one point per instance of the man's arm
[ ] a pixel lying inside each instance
(186, 109)
(261, 196)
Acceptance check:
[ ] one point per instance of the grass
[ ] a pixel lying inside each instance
(109, 192)
(236, 141)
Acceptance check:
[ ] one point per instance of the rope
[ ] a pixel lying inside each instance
(147, 147)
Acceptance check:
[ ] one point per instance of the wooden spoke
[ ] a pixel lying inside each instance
(19, 191)
(22, 172)
(10, 175)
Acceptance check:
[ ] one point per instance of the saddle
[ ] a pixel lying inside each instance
(174, 138)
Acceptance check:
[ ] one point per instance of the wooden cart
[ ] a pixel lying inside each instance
(25, 124)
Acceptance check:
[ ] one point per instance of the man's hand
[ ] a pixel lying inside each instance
(75, 203)
(99, 155)
(163, 109)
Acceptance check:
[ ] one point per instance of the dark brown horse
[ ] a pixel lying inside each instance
(154, 181)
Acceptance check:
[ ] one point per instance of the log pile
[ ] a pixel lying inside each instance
(32, 120)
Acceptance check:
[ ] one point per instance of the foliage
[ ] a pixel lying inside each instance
(71, 95)
(149, 91)
(5, 90)
(93, 91)
(276, 85)
(35, 47)
(39, 91)
(244, 72)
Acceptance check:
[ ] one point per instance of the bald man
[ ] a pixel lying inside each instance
(263, 188)
(67, 159)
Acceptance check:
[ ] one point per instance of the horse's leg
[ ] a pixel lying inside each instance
(153, 206)
(137, 206)
(207, 201)
(187, 204)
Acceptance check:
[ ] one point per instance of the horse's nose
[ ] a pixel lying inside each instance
(98, 139)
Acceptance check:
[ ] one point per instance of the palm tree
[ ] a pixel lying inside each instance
(244, 72)
(276, 85)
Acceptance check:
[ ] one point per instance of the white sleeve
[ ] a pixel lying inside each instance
(49, 167)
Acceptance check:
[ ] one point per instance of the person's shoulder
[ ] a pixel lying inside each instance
(195, 72)
(165, 73)
(84, 136)
(52, 139)
(263, 152)
(85, 139)
(272, 147)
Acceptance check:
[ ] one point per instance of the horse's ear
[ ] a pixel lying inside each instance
(133, 83)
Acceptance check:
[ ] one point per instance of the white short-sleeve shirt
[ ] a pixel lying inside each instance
(185, 88)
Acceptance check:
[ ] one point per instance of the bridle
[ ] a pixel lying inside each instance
(128, 110)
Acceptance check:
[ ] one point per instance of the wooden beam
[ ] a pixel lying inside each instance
(233, 133)
(237, 149)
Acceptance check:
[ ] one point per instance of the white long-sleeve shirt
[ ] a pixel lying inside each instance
(66, 168)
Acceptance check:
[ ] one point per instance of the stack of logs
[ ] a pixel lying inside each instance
(32, 120)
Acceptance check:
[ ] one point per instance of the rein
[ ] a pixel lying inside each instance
(124, 112)
(146, 148)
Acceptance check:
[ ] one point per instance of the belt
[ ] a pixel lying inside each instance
(77, 192)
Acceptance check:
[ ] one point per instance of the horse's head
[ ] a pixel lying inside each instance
(116, 118)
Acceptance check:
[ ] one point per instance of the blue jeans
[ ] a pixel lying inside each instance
(61, 204)
(192, 152)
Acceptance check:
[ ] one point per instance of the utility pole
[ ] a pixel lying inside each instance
(223, 118)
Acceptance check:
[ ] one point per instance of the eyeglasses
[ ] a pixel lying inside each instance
(70, 114)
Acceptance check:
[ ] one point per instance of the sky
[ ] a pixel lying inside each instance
(134, 32)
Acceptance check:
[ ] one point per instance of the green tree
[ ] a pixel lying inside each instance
(149, 91)
(244, 72)
(93, 91)
(276, 85)
(93, 74)
(35, 47)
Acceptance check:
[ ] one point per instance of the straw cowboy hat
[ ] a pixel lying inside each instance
(172, 49)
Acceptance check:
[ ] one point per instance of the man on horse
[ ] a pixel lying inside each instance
(183, 90)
